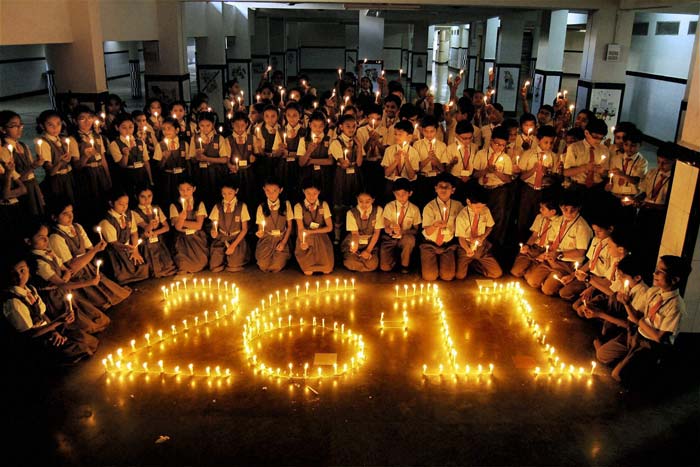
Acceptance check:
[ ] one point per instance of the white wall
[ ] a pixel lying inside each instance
(393, 42)
(431, 43)
(25, 76)
(573, 53)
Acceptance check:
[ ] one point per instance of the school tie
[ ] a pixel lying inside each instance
(653, 309)
(657, 188)
(538, 172)
(274, 206)
(465, 158)
(402, 215)
(475, 226)
(560, 236)
(122, 221)
(440, 238)
(596, 256)
(589, 174)
(620, 180)
(543, 233)
(227, 207)
(73, 232)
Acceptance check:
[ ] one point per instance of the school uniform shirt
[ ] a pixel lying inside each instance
(529, 160)
(43, 269)
(43, 151)
(655, 185)
(109, 232)
(663, 311)
(175, 210)
(451, 134)
(400, 171)
(17, 313)
(578, 154)
(363, 133)
(58, 243)
(486, 132)
(336, 149)
(323, 210)
(543, 226)
(520, 139)
(214, 215)
(469, 222)
(301, 150)
(638, 294)
(117, 153)
(220, 144)
(501, 161)
(411, 218)
(423, 146)
(464, 155)
(140, 214)
(575, 235)
(260, 216)
(289, 130)
(172, 143)
(6, 156)
(351, 222)
(598, 255)
(385, 129)
(635, 166)
(436, 210)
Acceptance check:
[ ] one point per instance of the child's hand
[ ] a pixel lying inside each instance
(231, 249)
(589, 313)
(525, 249)
(136, 256)
(214, 232)
(199, 155)
(366, 255)
(469, 251)
(580, 275)
(95, 280)
(587, 294)
(70, 317)
(280, 246)
(568, 279)
(66, 275)
(56, 339)
(260, 233)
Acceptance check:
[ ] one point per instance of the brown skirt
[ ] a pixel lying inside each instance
(191, 252)
(88, 317)
(318, 257)
(354, 262)
(267, 256)
(219, 260)
(105, 294)
(158, 258)
(124, 270)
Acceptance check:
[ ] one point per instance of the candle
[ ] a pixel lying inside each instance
(69, 297)
(352, 246)
(263, 225)
(67, 141)
(257, 98)
(303, 237)
(184, 205)
(340, 73)
(575, 265)
(527, 83)
(98, 263)
(155, 114)
(284, 137)
(611, 175)
(98, 229)
(200, 143)
(627, 286)
(345, 154)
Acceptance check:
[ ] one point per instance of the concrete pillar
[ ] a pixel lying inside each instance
(442, 56)
(550, 58)
(278, 44)
(167, 76)
(259, 48)
(419, 54)
(238, 58)
(371, 37)
(490, 43)
(690, 107)
(508, 62)
(292, 60)
(211, 57)
(476, 32)
(85, 53)
(606, 47)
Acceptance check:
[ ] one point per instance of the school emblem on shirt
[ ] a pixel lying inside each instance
(216, 145)
(237, 218)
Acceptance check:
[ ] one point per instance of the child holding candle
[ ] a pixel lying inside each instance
(586, 162)
(472, 228)
(191, 250)
(372, 146)
(527, 133)
(274, 219)
(56, 155)
(495, 115)
(433, 157)
(400, 160)
(385, 127)
(626, 172)
(567, 242)
(120, 231)
(156, 113)
(154, 225)
(540, 229)
(242, 160)
(314, 250)
(651, 326)
(25, 311)
(265, 134)
(185, 127)
(460, 157)
(211, 153)
(172, 159)
(286, 146)
(348, 155)
(131, 155)
(70, 243)
(437, 252)
(364, 223)
(229, 249)
(315, 161)
(55, 281)
(12, 188)
(145, 133)
(401, 222)
(11, 129)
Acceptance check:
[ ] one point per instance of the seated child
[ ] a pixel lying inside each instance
(191, 251)
(401, 222)
(364, 223)
(229, 249)
(314, 250)
(154, 225)
(473, 226)
(274, 218)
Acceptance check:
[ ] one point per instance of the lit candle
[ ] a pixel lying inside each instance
(98, 263)
(627, 286)
(69, 297)
(340, 73)
(98, 229)
(303, 237)
(201, 146)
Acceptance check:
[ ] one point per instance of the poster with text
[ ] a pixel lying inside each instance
(605, 104)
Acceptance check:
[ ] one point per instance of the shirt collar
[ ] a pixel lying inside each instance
(115, 214)
(273, 205)
(309, 205)
(22, 291)
(66, 228)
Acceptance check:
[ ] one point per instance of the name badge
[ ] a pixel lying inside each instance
(216, 145)
(314, 225)
(291, 159)
(237, 218)
(364, 239)
(138, 165)
(178, 170)
(464, 173)
(350, 170)
(325, 143)
(276, 233)
(30, 176)
(431, 174)
(242, 163)
(203, 165)
(317, 167)
(190, 231)
(250, 147)
(153, 240)
(98, 156)
(182, 154)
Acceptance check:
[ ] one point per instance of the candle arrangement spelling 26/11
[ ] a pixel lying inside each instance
(284, 312)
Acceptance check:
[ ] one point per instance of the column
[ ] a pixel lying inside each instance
(167, 76)
(476, 32)
(371, 36)
(292, 59)
(601, 87)
(85, 53)
(351, 52)
(490, 42)
(238, 59)
(278, 44)
(550, 58)
(690, 107)
(259, 48)
(508, 62)
(419, 54)
(211, 57)
(135, 70)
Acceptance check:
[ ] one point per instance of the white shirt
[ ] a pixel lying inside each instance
(668, 317)
(175, 209)
(245, 216)
(412, 218)
(456, 151)
(436, 210)
(322, 208)
(466, 218)
(650, 181)
(18, 314)
(351, 222)
(637, 166)
(578, 154)
(117, 153)
(109, 232)
(529, 160)
(502, 163)
(422, 146)
(413, 160)
(60, 247)
(575, 236)
(260, 217)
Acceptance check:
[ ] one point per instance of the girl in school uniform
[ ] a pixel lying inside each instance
(172, 160)
(55, 281)
(154, 110)
(92, 172)
(229, 249)
(372, 147)
(265, 134)
(274, 219)
(364, 223)
(314, 250)
(315, 161)
(191, 250)
(287, 146)
(211, 153)
(12, 188)
(70, 243)
(145, 132)
(242, 161)
(186, 128)
(120, 231)
(348, 155)
(53, 152)
(11, 129)
(154, 225)
(130, 153)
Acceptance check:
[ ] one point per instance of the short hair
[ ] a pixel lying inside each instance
(570, 198)
(477, 194)
(121, 118)
(346, 118)
(576, 133)
(546, 131)
(465, 106)
(527, 117)
(408, 111)
(239, 116)
(510, 123)
(372, 109)
(547, 108)
(208, 116)
(392, 98)
(497, 106)
(631, 265)
(667, 150)
(550, 202)
(634, 136)
(677, 267)
(404, 125)
(429, 120)
(464, 127)
(597, 126)
(402, 184)
(500, 132)
(622, 236)
(625, 127)
(445, 177)
(230, 182)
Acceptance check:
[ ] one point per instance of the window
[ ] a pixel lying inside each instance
(640, 29)
(667, 28)
(692, 27)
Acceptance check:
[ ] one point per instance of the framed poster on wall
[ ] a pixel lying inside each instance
(507, 79)
(605, 104)
(372, 69)
(291, 63)
(351, 60)
(258, 66)
(240, 70)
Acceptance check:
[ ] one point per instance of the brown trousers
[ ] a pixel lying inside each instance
(482, 261)
(389, 247)
(542, 275)
(437, 261)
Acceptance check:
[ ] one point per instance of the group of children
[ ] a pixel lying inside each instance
(458, 184)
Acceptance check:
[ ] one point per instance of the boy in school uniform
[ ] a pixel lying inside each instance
(527, 134)
(496, 117)
(567, 243)
(462, 112)
(473, 226)
(493, 169)
(535, 168)
(433, 157)
(460, 157)
(627, 169)
(652, 326)
(400, 159)
(402, 220)
(385, 128)
(437, 252)
(586, 161)
(529, 252)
